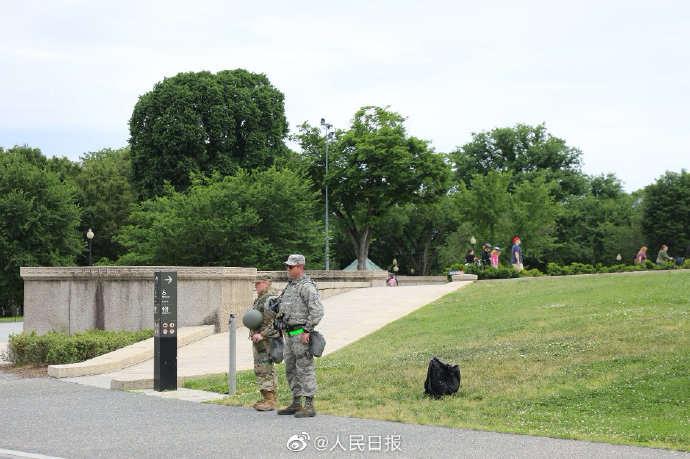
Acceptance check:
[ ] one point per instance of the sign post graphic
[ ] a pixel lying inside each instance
(165, 330)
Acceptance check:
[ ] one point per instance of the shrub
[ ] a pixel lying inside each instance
(57, 348)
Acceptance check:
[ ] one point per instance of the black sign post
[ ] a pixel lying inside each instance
(164, 330)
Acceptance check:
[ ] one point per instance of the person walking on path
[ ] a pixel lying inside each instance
(516, 254)
(263, 365)
(301, 311)
(641, 255)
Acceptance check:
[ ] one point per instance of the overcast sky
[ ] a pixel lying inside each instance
(611, 78)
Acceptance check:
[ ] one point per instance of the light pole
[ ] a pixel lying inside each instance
(328, 128)
(89, 236)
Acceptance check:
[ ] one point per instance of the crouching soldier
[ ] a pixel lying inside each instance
(301, 311)
(261, 329)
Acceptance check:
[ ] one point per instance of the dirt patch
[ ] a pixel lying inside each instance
(26, 371)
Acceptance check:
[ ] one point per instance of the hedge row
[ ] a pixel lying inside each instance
(57, 348)
(553, 269)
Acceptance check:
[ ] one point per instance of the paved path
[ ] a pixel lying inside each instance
(6, 329)
(49, 417)
(348, 317)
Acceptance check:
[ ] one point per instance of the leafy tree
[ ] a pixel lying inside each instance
(241, 220)
(201, 122)
(105, 196)
(39, 224)
(374, 167)
(596, 227)
(525, 151)
(413, 233)
(666, 212)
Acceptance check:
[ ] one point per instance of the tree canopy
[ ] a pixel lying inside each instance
(373, 167)
(525, 151)
(666, 212)
(204, 122)
(240, 220)
(40, 218)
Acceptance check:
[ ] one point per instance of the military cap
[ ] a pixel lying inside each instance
(295, 259)
(262, 277)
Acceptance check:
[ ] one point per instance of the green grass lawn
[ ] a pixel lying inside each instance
(602, 358)
(12, 319)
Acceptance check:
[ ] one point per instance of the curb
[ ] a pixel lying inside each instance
(127, 356)
(147, 383)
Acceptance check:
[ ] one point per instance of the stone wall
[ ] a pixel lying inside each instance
(74, 299)
(421, 280)
(332, 283)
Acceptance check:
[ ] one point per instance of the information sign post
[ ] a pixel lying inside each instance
(165, 330)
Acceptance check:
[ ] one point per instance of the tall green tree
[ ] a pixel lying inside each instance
(39, 219)
(666, 212)
(105, 197)
(525, 151)
(240, 220)
(204, 122)
(598, 226)
(374, 167)
(412, 234)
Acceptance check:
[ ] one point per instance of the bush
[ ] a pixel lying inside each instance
(55, 348)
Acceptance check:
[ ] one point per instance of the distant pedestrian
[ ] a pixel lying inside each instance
(663, 257)
(641, 255)
(486, 254)
(494, 256)
(392, 281)
(470, 258)
(516, 254)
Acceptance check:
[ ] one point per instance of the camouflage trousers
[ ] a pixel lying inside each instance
(299, 367)
(263, 367)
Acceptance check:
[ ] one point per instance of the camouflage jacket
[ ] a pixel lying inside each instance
(300, 303)
(260, 304)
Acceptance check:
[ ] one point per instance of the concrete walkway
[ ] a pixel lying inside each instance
(348, 317)
(7, 329)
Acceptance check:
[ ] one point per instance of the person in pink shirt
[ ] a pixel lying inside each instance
(494, 256)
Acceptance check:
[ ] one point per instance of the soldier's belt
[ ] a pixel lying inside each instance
(295, 332)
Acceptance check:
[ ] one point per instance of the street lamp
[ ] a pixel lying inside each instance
(473, 241)
(328, 128)
(89, 236)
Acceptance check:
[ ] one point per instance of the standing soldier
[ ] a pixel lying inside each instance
(263, 365)
(301, 311)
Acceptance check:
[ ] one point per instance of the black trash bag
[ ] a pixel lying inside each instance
(441, 379)
(275, 349)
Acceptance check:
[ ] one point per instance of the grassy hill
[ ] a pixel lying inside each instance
(602, 357)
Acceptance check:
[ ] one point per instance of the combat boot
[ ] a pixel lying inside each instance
(268, 403)
(293, 407)
(308, 410)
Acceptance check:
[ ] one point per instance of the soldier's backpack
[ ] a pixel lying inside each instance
(441, 379)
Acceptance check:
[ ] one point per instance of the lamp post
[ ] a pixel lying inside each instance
(395, 268)
(89, 236)
(473, 241)
(328, 128)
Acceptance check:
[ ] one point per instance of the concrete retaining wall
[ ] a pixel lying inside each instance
(332, 283)
(421, 280)
(74, 299)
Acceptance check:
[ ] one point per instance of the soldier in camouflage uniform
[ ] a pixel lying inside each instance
(301, 310)
(263, 365)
